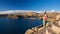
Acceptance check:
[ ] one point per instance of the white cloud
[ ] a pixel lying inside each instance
(17, 11)
(21, 11)
(52, 10)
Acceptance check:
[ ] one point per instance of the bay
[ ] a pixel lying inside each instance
(17, 26)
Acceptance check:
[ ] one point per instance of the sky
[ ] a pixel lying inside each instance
(36, 5)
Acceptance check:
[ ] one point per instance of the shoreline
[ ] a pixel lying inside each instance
(34, 18)
(51, 27)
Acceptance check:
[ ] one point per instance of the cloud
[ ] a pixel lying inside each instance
(17, 11)
(22, 11)
(52, 10)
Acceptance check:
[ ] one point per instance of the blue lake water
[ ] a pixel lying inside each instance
(17, 26)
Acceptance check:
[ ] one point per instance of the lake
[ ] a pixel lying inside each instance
(17, 26)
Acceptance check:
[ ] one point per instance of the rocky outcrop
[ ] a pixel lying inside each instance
(51, 28)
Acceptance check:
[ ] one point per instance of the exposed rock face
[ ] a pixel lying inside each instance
(57, 17)
(51, 28)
